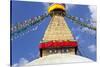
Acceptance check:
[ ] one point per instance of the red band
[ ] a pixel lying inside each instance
(58, 44)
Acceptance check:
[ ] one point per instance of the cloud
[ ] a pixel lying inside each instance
(46, 5)
(93, 24)
(77, 37)
(70, 6)
(93, 11)
(92, 48)
(22, 62)
(87, 30)
(15, 65)
(84, 29)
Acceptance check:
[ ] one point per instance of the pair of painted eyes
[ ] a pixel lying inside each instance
(56, 51)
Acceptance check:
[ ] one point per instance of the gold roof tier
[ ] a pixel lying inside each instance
(58, 30)
(56, 6)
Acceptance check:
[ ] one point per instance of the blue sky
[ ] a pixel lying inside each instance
(27, 46)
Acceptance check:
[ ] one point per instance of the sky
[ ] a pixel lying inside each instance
(24, 49)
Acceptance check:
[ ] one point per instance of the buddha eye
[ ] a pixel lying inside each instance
(67, 50)
(64, 50)
(50, 51)
(55, 51)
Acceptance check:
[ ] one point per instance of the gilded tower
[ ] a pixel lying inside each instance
(57, 38)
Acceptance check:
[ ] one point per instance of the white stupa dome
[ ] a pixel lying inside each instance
(57, 59)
